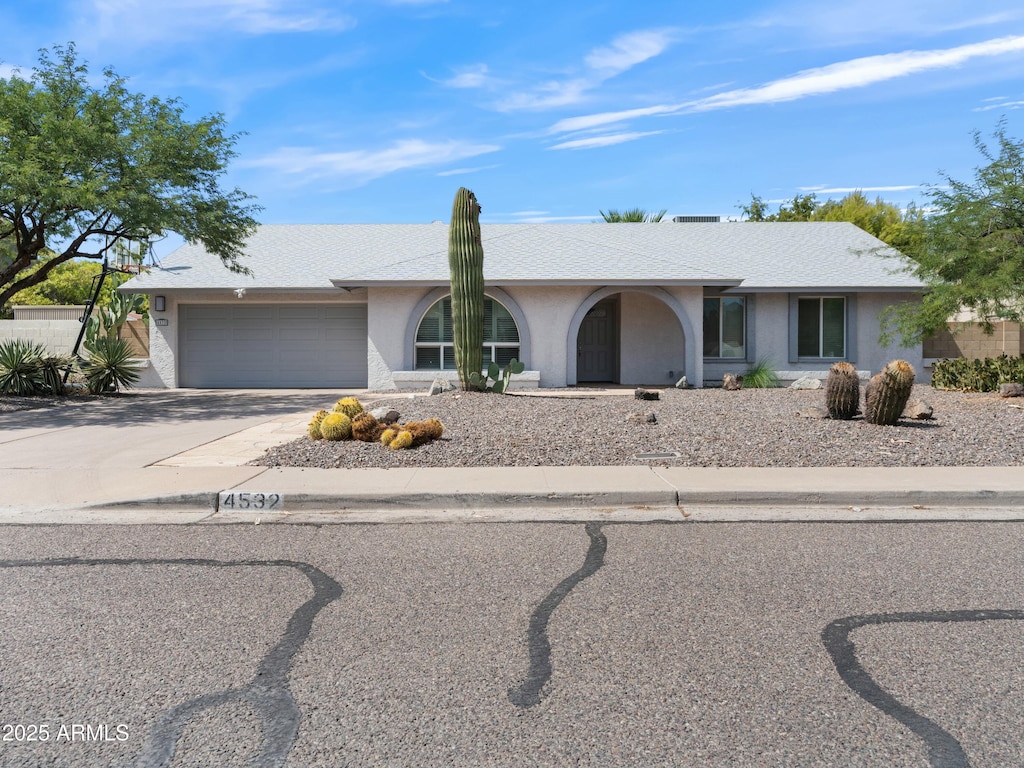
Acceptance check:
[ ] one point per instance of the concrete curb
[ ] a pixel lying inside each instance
(961, 498)
(327, 503)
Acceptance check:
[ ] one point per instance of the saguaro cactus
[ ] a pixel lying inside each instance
(466, 263)
(887, 393)
(842, 391)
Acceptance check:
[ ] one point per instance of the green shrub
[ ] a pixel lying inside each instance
(110, 366)
(977, 375)
(760, 376)
(26, 369)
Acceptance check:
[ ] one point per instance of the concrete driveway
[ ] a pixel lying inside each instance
(142, 428)
(77, 454)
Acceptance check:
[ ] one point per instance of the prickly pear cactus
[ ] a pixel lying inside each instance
(336, 426)
(466, 263)
(314, 426)
(350, 406)
(842, 391)
(887, 393)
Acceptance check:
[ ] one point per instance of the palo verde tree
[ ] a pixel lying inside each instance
(613, 216)
(970, 248)
(84, 168)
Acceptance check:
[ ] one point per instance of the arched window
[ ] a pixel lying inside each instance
(434, 336)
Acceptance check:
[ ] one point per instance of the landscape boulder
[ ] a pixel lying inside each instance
(643, 394)
(439, 386)
(1013, 389)
(806, 382)
(919, 410)
(385, 415)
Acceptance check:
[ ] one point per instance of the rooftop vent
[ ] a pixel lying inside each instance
(696, 219)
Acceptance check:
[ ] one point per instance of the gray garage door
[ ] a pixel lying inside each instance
(272, 345)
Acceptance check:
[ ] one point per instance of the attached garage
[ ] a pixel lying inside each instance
(250, 345)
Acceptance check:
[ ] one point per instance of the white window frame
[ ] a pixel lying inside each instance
(721, 316)
(849, 327)
(447, 348)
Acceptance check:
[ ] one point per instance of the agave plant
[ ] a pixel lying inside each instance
(110, 366)
(26, 369)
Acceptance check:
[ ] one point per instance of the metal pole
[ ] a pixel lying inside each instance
(84, 319)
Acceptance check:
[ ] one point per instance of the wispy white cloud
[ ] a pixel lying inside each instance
(364, 165)
(464, 171)
(846, 190)
(604, 119)
(627, 51)
(829, 24)
(855, 73)
(601, 64)
(554, 93)
(161, 19)
(605, 140)
(858, 73)
(529, 219)
(473, 76)
(6, 70)
(999, 102)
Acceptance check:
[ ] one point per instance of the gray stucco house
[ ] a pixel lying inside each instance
(364, 305)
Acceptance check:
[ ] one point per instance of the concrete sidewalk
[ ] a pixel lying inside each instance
(246, 493)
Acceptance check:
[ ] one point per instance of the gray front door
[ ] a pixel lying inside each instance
(245, 344)
(595, 345)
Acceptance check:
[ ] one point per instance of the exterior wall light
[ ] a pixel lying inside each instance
(159, 303)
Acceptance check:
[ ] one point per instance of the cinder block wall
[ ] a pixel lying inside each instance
(58, 336)
(970, 341)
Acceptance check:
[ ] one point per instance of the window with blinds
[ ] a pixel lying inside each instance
(434, 349)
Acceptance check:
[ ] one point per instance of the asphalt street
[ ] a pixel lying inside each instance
(547, 644)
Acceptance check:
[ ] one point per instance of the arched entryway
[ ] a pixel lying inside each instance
(637, 335)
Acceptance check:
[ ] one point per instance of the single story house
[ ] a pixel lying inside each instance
(366, 305)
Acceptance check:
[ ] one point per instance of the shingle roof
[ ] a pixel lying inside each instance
(755, 255)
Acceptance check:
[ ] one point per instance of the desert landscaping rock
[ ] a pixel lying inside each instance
(732, 382)
(806, 382)
(706, 427)
(440, 385)
(1013, 389)
(918, 409)
(385, 415)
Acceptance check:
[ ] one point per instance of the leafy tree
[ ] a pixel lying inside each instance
(969, 249)
(85, 168)
(68, 283)
(632, 215)
(886, 221)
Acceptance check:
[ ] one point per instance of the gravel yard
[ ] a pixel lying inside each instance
(706, 427)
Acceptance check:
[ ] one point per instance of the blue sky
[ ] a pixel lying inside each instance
(378, 110)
